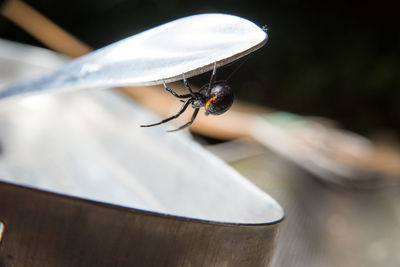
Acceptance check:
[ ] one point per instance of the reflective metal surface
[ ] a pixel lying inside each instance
(83, 185)
(45, 229)
(189, 45)
(89, 144)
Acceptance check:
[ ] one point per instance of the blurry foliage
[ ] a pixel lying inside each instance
(329, 58)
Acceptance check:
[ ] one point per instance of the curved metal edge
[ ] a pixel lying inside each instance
(142, 211)
(10, 93)
(24, 87)
(209, 67)
(75, 232)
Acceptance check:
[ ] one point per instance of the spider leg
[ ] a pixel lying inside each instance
(185, 82)
(183, 108)
(213, 76)
(175, 94)
(196, 111)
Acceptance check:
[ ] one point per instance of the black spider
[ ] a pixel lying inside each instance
(216, 97)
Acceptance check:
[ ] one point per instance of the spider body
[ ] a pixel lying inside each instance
(219, 98)
(215, 97)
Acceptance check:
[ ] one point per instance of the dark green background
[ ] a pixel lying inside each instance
(338, 59)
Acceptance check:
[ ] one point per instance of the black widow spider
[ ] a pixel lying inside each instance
(216, 97)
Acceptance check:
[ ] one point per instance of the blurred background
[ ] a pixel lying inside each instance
(333, 67)
(338, 59)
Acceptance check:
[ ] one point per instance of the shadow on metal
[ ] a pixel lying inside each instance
(46, 229)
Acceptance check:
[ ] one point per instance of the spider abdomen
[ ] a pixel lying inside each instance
(219, 99)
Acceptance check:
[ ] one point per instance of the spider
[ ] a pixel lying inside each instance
(216, 97)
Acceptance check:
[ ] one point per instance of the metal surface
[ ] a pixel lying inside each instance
(189, 45)
(64, 231)
(135, 197)
(89, 144)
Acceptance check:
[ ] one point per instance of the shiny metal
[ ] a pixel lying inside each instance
(83, 185)
(88, 144)
(46, 229)
(188, 45)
